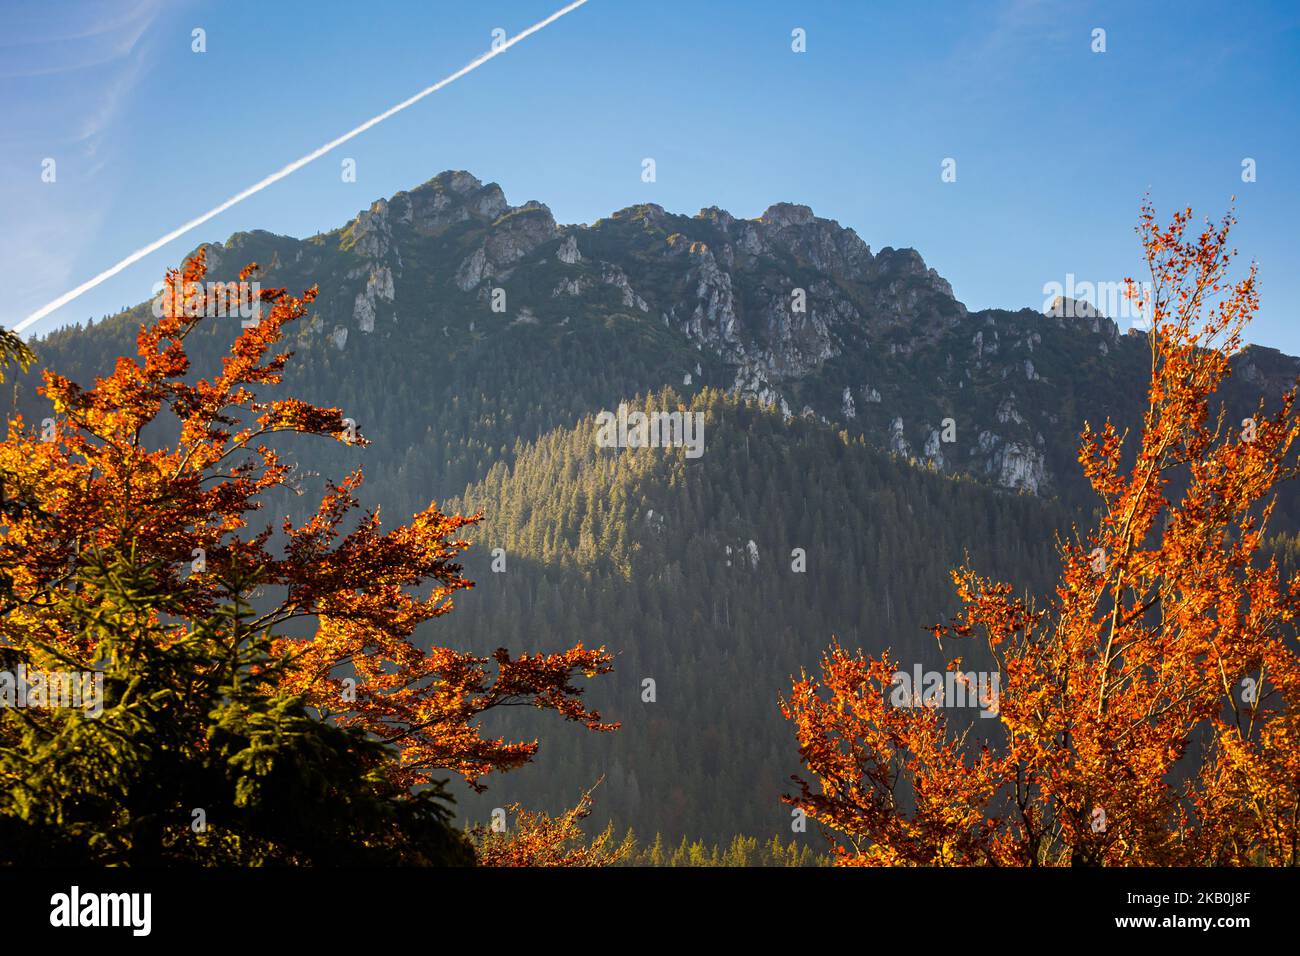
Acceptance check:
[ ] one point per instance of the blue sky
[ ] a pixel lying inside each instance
(1055, 144)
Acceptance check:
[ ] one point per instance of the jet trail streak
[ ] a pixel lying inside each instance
(291, 168)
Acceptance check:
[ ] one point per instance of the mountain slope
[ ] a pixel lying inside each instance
(717, 578)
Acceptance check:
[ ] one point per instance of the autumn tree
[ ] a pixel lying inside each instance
(268, 667)
(188, 724)
(1147, 712)
(13, 351)
(536, 838)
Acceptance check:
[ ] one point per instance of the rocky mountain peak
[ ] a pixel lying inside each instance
(901, 261)
(787, 214)
(1065, 307)
(721, 217)
(449, 198)
(1076, 311)
(651, 213)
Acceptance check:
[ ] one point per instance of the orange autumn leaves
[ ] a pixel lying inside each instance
(171, 469)
(1148, 711)
(539, 839)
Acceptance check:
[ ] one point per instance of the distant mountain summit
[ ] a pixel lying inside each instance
(789, 308)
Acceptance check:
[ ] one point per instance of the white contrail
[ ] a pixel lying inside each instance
(292, 167)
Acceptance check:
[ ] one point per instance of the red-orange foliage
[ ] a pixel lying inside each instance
(539, 839)
(1148, 713)
(98, 485)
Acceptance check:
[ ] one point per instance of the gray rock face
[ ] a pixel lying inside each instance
(568, 251)
(512, 238)
(379, 288)
(473, 270)
(373, 231)
(846, 403)
(751, 381)
(567, 287)
(1063, 307)
(897, 441)
(1018, 466)
(1067, 311)
(849, 293)
(713, 320)
(613, 275)
(933, 450)
(518, 232)
(792, 230)
(364, 312)
(770, 331)
(784, 214)
(449, 199)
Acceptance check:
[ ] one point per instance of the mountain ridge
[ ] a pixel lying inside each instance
(789, 308)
